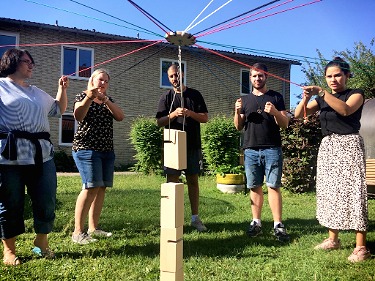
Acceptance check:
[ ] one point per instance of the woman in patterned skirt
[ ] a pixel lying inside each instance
(341, 182)
(93, 153)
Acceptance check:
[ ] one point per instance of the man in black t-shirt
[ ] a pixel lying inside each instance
(262, 113)
(188, 118)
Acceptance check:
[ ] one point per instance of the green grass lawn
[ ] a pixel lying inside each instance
(131, 211)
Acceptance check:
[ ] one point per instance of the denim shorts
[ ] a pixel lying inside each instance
(41, 190)
(194, 164)
(95, 167)
(262, 163)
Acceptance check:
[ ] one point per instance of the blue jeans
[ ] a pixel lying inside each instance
(95, 167)
(262, 163)
(42, 192)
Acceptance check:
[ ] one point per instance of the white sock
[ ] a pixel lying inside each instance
(275, 223)
(194, 218)
(257, 221)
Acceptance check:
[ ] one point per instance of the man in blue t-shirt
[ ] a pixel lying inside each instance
(261, 114)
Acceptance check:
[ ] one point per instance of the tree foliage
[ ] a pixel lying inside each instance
(362, 65)
(300, 143)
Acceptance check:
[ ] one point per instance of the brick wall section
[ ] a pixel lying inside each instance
(137, 90)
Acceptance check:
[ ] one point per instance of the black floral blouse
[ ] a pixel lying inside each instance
(95, 132)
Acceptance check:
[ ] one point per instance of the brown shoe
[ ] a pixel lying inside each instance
(328, 244)
(360, 253)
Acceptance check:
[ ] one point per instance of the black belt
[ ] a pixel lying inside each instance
(10, 149)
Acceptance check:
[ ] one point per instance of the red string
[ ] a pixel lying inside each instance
(77, 43)
(305, 120)
(273, 14)
(118, 57)
(247, 65)
(241, 19)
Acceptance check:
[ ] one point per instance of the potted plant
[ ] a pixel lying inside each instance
(230, 180)
(221, 151)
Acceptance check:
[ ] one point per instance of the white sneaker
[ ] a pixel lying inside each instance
(198, 224)
(99, 233)
(83, 238)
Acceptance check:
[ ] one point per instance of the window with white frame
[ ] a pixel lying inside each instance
(67, 128)
(77, 62)
(245, 82)
(8, 40)
(164, 65)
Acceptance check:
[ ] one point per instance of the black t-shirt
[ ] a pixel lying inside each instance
(332, 122)
(261, 130)
(193, 100)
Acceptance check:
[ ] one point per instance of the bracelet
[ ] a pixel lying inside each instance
(89, 97)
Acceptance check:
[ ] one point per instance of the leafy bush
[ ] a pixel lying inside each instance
(147, 139)
(300, 143)
(64, 162)
(220, 146)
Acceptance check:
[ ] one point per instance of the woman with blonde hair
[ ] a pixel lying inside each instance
(93, 153)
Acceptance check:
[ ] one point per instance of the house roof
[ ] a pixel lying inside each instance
(233, 54)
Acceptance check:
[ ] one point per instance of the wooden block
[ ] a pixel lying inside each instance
(171, 214)
(171, 256)
(171, 234)
(172, 276)
(175, 153)
(172, 205)
(172, 190)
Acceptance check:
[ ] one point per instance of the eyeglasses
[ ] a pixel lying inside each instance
(29, 63)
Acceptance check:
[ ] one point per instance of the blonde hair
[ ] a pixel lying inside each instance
(96, 73)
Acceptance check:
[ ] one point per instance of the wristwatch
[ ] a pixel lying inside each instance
(321, 93)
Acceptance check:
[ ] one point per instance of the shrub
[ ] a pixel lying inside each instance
(147, 138)
(220, 146)
(64, 162)
(300, 149)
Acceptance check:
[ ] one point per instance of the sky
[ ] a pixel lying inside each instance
(296, 34)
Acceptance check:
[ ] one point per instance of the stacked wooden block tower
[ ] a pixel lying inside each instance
(171, 232)
(172, 209)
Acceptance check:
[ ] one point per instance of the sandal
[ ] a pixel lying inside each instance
(48, 254)
(16, 261)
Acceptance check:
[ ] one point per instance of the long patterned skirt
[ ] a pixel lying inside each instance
(341, 188)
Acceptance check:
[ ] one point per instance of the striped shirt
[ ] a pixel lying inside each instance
(25, 109)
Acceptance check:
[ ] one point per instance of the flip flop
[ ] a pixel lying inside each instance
(48, 254)
(16, 261)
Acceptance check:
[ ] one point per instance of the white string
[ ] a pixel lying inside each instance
(169, 119)
(181, 81)
(187, 28)
(209, 15)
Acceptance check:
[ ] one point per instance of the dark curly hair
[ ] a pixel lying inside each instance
(10, 60)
